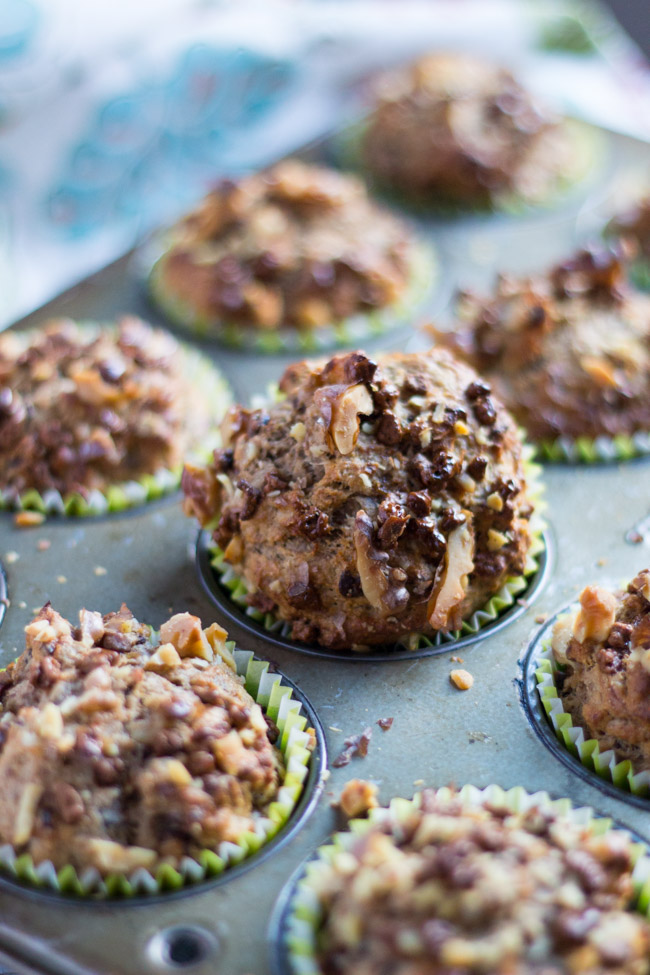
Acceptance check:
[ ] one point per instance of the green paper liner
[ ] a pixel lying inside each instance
(304, 917)
(424, 273)
(275, 699)
(503, 600)
(640, 273)
(598, 450)
(588, 751)
(148, 487)
(588, 159)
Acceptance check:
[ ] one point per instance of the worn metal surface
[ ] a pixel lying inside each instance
(439, 735)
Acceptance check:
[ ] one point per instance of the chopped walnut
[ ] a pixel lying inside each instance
(353, 402)
(357, 798)
(597, 614)
(449, 593)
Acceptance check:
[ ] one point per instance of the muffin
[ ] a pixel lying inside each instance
(567, 351)
(439, 885)
(601, 648)
(632, 228)
(297, 250)
(85, 411)
(122, 750)
(373, 500)
(451, 128)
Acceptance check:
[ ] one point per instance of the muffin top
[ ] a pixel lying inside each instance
(454, 128)
(297, 245)
(374, 500)
(604, 644)
(633, 228)
(120, 749)
(567, 351)
(83, 407)
(452, 888)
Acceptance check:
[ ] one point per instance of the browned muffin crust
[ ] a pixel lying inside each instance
(298, 245)
(567, 352)
(119, 750)
(454, 128)
(633, 228)
(84, 408)
(605, 646)
(376, 500)
(451, 889)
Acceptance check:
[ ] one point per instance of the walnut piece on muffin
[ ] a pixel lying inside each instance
(453, 128)
(374, 500)
(121, 750)
(298, 245)
(604, 646)
(85, 408)
(567, 351)
(455, 888)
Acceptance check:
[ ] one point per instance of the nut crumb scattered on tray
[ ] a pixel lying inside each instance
(99, 570)
(61, 579)
(355, 745)
(28, 519)
(462, 679)
(11, 557)
(541, 617)
(357, 797)
(43, 544)
(385, 723)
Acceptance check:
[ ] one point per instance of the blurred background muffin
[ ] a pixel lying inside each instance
(454, 129)
(299, 248)
(84, 409)
(567, 351)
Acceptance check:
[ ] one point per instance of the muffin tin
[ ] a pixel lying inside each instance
(439, 735)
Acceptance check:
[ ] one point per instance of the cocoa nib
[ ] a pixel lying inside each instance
(252, 498)
(350, 584)
(356, 745)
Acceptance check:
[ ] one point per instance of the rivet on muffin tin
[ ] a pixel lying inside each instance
(531, 701)
(221, 598)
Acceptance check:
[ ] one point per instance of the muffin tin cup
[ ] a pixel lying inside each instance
(555, 726)
(297, 917)
(228, 592)
(589, 159)
(599, 450)
(302, 744)
(355, 330)
(149, 487)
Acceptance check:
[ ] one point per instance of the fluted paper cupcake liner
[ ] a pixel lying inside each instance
(148, 487)
(354, 330)
(295, 743)
(588, 160)
(302, 917)
(496, 606)
(598, 450)
(588, 751)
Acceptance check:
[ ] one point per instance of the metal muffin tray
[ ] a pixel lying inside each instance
(439, 736)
